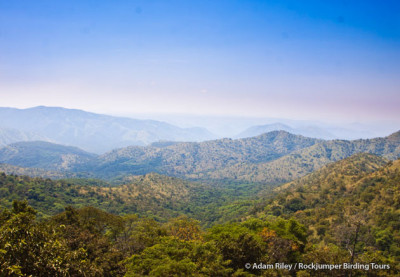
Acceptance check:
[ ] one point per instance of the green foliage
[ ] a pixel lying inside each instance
(175, 257)
(94, 231)
(352, 204)
(31, 249)
(155, 196)
(347, 211)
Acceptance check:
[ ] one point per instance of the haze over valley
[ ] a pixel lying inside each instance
(99, 133)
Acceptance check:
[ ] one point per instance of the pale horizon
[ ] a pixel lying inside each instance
(324, 61)
(231, 125)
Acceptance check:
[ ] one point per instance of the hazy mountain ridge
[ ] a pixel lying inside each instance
(273, 158)
(93, 132)
(46, 155)
(304, 161)
(10, 135)
(307, 131)
(187, 159)
(38, 172)
(269, 158)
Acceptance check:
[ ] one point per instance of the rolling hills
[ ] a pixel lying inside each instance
(193, 160)
(304, 161)
(272, 158)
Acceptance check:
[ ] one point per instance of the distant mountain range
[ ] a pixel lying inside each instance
(46, 155)
(10, 135)
(307, 131)
(308, 159)
(98, 133)
(92, 132)
(193, 160)
(271, 158)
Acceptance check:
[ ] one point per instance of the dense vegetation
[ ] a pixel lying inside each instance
(90, 242)
(152, 195)
(353, 204)
(346, 212)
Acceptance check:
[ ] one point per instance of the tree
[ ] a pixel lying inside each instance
(176, 257)
(184, 228)
(31, 249)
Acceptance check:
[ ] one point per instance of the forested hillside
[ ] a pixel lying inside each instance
(193, 160)
(152, 195)
(307, 160)
(272, 158)
(353, 204)
(345, 213)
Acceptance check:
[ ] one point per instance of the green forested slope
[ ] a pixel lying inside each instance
(153, 195)
(353, 204)
(345, 212)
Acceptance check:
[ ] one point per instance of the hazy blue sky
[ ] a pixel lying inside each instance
(294, 59)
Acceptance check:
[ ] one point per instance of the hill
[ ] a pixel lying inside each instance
(307, 160)
(93, 132)
(151, 195)
(353, 203)
(45, 155)
(195, 160)
(272, 158)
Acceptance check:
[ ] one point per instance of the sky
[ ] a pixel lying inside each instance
(305, 60)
